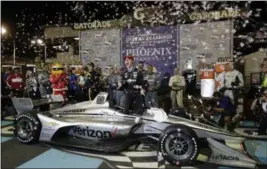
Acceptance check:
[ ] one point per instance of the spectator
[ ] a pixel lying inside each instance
(15, 82)
(73, 84)
(177, 84)
(43, 80)
(113, 81)
(31, 85)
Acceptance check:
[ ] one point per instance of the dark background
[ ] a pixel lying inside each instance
(26, 20)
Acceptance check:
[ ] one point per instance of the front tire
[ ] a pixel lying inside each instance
(27, 127)
(178, 145)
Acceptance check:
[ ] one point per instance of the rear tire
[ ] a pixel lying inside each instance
(178, 145)
(27, 127)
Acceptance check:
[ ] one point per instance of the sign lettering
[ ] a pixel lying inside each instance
(92, 25)
(214, 15)
(225, 157)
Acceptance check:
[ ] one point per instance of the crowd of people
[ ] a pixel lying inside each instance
(132, 87)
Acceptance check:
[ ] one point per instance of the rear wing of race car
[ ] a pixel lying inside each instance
(27, 104)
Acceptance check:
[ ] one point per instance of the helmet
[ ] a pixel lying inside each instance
(57, 69)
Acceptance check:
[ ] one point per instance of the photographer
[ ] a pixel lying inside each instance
(260, 104)
(224, 107)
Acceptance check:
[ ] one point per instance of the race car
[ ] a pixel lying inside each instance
(97, 127)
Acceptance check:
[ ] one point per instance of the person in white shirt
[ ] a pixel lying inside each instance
(177, 84)
(229, 80)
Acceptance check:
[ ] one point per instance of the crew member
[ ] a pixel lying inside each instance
(230, 81)
(59, 80)
(151, 97)
(31, 85)
(15, 82)
(43, 80)
(134, 86)
(177, 84)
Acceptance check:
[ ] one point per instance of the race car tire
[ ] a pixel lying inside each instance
(27, 127)
(178, 145)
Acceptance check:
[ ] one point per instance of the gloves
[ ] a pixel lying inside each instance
(142, 91)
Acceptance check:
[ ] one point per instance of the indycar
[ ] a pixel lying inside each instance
(95, 126)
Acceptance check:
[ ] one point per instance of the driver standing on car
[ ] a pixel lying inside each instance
(134, 86)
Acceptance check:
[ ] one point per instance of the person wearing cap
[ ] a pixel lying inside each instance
(15, 82)
(151, 97)
(134, 85)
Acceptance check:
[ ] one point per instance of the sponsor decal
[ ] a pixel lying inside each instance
(87, 132)
(225, 157)
(51, 124)
(92, 25)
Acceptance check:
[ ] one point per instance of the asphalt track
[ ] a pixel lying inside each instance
(17, 155)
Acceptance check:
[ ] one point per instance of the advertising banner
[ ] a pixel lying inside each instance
(102, 47)
(157, 46)
(204, 43)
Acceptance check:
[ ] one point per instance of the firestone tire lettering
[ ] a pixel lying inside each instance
(34, 137)
(174, 129)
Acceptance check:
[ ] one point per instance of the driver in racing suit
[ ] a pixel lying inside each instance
(134, 85)
(230, 81)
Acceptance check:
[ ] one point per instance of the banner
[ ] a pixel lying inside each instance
(204, 43)
(102, 47)
(157, 46)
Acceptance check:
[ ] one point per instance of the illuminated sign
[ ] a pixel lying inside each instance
(92, 25)
(214, 15)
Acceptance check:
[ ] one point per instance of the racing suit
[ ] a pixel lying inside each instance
(15, 83)
(133, 83)
(177, 82)
(227, 81)
(60, 84)
(151, 97)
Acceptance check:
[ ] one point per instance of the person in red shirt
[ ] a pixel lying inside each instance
(15, 82)
(59, 80)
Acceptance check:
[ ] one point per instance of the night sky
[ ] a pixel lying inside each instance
(28, 19)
